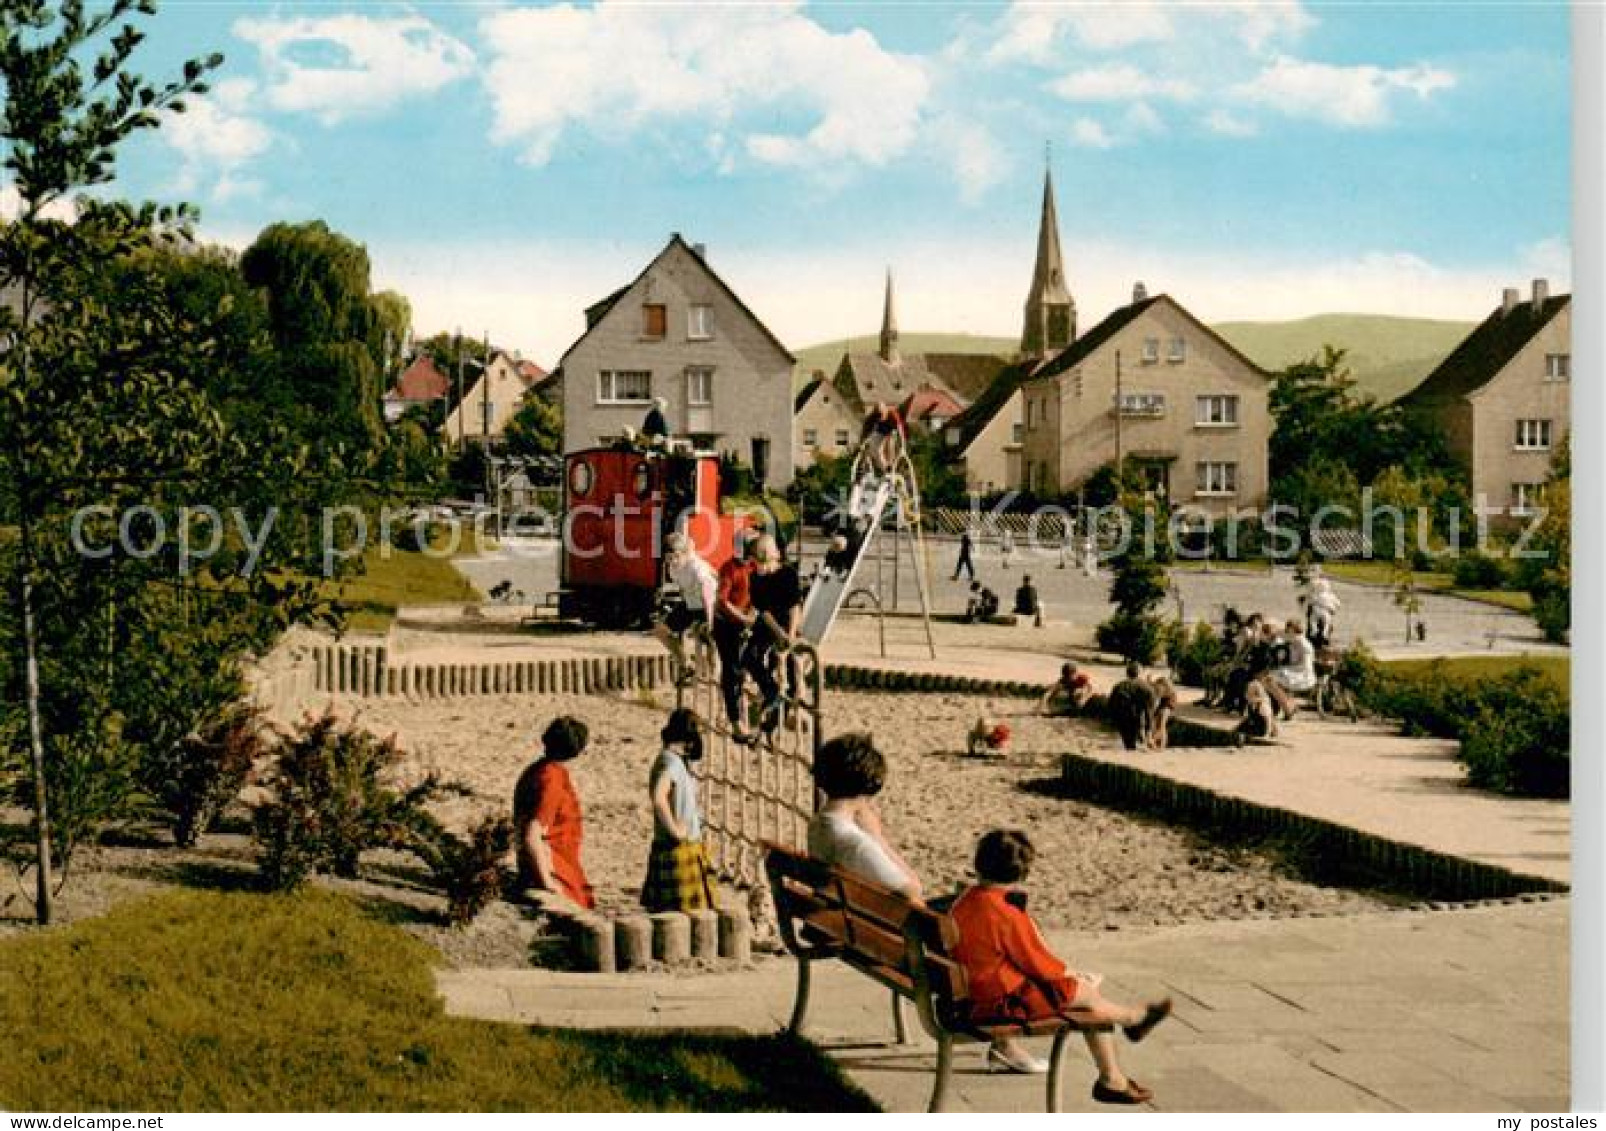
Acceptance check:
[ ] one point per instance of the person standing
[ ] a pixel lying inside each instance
(679, 877)
(655, 428)
(777, 595)
(1132, 704)
(733, 625)
(965, 565)
(547, 824)
(697, 586)
(1006, 547)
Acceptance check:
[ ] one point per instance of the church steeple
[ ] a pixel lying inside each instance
(1050, 311)
(889, 327)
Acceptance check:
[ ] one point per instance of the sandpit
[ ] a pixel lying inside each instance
(1096, 869)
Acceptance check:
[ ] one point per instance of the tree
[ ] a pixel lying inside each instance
(62, 128)
(1547, 572)
(332, 337)
(536, 429)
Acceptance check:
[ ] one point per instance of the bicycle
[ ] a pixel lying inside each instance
(1333, 695)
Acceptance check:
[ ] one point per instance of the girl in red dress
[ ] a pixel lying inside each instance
(546, 816)
(1013, 976)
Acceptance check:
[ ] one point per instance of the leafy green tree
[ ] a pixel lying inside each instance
(536, 429)
(1547, 574)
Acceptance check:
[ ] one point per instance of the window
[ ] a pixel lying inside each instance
(1151, 350)
(1217, 479)
(699, 385)
(700, 322)
(811, 437)
(1558, 366)
(1017, 432)
(1533, 435)
(1031, 421)
(1526, 497)
(1142, 404)
(1217, 411)
(654, 320)
(624, 386)
(841, 437)
(1178, 350)
(935, 423)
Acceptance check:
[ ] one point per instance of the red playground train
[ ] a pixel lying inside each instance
(620, 504)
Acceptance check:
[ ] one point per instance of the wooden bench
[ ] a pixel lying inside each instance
(826, 913)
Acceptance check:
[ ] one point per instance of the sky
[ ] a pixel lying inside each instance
(506, 165)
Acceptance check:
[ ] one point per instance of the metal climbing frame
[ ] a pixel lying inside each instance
(751, 794)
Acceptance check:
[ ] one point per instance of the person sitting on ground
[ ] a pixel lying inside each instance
(655, 428)
(982, 605)
(1297, 673)
(1068, 694)
(547, 824)
(1260, 716)
(679, 876)
(696, 590)
(1132, 703)
(847, 830)
(1165, 706)
(1026, 604)
(1014, 977)
(883, 436)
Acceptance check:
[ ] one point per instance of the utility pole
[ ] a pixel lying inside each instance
(485, 415)
(1120, 479)
(459, 387)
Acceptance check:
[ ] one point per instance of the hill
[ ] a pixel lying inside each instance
(1387, 355)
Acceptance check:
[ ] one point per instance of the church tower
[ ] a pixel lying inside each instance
(1050, 312)
(889, 327)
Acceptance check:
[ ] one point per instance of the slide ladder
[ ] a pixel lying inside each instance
(871, 493)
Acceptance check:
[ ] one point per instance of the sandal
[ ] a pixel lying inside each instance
(1157, 1012)
(1133, 1093)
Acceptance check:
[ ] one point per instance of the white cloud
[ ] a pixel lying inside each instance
(1228, 124)
(215, 141)
(821, 97)
(1348, 96)
(1039, 33)
(977, 160)
(343, 66)
(1118, 82)
(11, 206)
(1090, 134)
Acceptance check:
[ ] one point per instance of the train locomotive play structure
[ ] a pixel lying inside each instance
(620, 504)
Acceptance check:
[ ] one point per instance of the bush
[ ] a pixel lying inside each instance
(1142, 638)
(206, 770)
(1553, 610)
(1481, 571)
(468, 871)
(1193, 654)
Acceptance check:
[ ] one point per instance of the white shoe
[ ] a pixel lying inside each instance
(1022, 1062)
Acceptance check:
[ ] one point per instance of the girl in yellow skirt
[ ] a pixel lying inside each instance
(678, 874)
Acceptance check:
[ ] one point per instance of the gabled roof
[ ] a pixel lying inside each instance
(1092, 341)
(928, 401)
(863, 378)
(806, 393)
(1487, 350)
(979, 415)
(531, 373)
(599, 310)
(421, 381)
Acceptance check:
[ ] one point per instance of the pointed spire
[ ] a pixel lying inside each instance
(889, 327)
(1050, 311)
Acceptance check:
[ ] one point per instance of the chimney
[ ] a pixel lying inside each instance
(1541, 294)
(1140, 293)
(700, 250)
(1508, 301)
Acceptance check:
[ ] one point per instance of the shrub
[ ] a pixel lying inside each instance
(1141, 638)
(1193, 654)
(1552, 607)
(329, 801)
(205, 771)
(1481, 571)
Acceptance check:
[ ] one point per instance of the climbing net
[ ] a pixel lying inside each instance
(759, 792)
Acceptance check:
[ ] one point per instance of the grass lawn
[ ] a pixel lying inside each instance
(402, 577)
(210, 1001)
(1382, 573)
(1557, 669)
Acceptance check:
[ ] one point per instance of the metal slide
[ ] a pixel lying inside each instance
(866, 504)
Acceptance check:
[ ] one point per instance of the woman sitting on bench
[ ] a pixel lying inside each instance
(847, 831)
(1013, 976)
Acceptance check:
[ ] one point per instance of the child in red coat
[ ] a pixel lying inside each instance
(1013, 976)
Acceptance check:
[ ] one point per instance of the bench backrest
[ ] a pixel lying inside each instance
(824, 912)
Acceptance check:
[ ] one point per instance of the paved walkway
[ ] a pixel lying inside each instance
(1463, 1010)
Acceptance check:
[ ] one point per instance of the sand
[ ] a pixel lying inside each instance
(1096, 868)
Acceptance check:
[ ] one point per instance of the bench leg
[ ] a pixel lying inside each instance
(800, 1007)
(1056, 1062)
(945, 1066)
(900, 1024)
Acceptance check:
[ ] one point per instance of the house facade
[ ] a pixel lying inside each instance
(1161, 389)
(489, 401)
(1503, 398)
(679, 332)
(421, 383)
